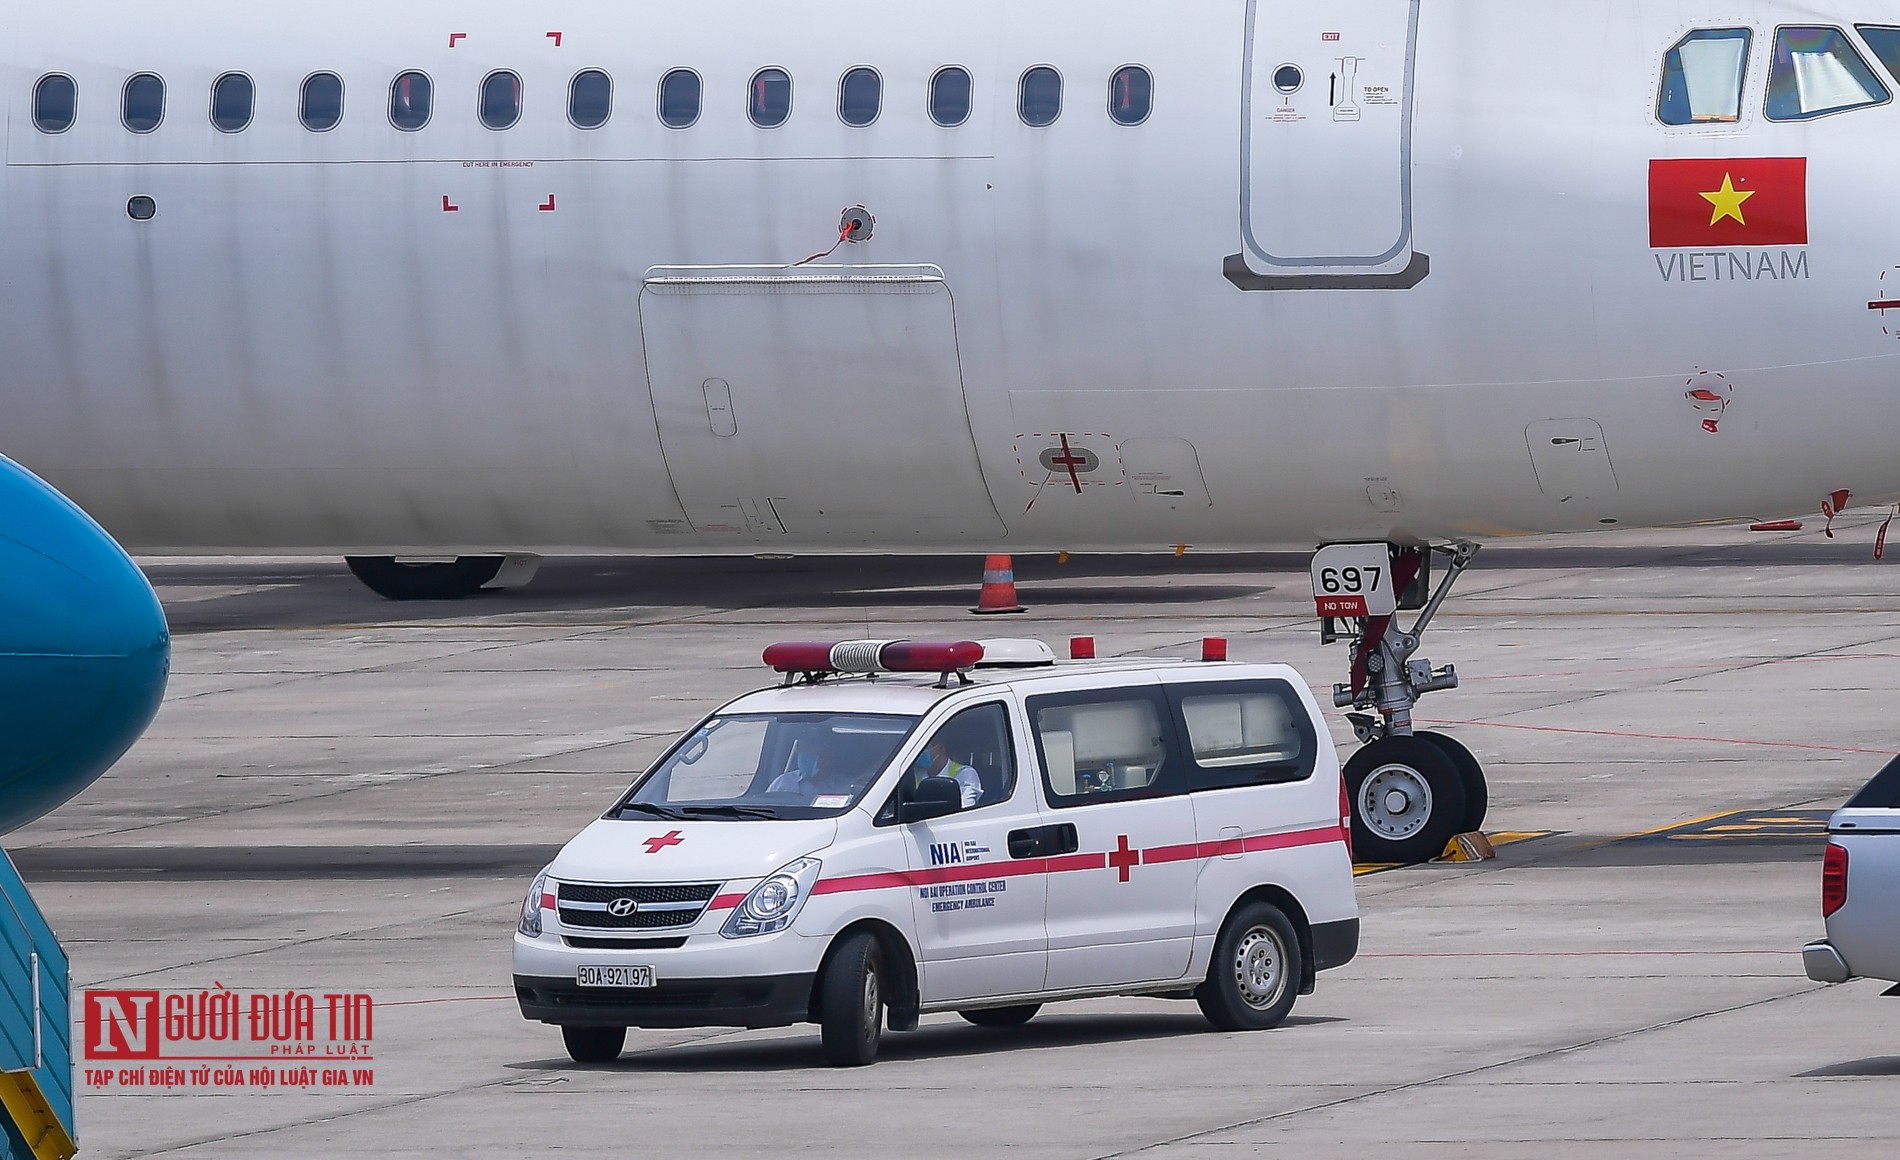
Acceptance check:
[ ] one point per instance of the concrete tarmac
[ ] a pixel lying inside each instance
(343, 794)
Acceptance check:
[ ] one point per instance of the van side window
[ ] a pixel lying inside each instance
(976, 751)
(590, 99)
(1104, 745)
(144, 103)
(771, 100)
(411, 101)
(1245, 733)
(233, 97)
(950, 96)
(320, 104)
(1702, 77)
(1817, 71)
(55, 103)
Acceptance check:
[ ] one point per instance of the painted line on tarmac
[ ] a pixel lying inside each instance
(1803, 827)
(1669, 737)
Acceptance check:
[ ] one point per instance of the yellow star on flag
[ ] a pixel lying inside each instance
(1727, 201)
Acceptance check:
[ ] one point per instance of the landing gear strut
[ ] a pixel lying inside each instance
(1410, 790)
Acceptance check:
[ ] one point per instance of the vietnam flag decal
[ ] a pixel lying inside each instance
(1736, 201)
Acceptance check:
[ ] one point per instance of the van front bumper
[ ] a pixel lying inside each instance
(760, 1001)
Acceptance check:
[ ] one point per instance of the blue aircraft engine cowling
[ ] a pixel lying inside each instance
(84, 648)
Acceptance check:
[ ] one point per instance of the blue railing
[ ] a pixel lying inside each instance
(36, 1043)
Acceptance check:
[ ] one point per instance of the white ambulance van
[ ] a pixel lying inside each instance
(901, 828)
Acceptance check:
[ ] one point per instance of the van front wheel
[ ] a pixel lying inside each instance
(1255, 975)
(594, 1044)
(851, 1001)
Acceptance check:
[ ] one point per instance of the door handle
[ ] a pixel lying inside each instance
(1041, 841)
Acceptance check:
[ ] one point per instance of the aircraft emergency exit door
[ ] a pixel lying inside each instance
(1326, 161)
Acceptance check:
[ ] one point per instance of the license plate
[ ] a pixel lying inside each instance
(615, 977)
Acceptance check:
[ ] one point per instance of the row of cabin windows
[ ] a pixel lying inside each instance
(1812, 72)
(590, 97)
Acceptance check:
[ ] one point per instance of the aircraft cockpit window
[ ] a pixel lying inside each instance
(590, 99)
(950, 96)
(1039, 96)
(1702, 77)
(679, 98)
(860, 93)
(411, 101)
(1817, 71)
(1131, 95)
(55, 103)
(320, 105)
(501, 100)
(771, 100)
(144, 103)
(233, 97)
(1885, 41)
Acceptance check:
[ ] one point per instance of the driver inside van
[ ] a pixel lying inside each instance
(813, 775)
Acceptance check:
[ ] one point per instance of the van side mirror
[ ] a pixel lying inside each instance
(934, 797)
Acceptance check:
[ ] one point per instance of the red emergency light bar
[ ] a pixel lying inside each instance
(873, 656)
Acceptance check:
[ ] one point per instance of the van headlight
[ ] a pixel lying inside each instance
(773, 903)
(530, 923)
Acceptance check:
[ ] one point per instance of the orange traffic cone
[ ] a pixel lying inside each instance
(999, 587)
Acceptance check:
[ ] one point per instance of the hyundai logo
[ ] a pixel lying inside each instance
(622, 907)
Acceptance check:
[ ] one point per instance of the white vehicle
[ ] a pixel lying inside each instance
(1860, 888)
(856, 851)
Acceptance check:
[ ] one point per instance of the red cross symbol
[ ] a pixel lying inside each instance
(670, 838)
(1121, 857)
(1070, 460)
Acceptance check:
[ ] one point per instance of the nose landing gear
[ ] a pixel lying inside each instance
(1410, 790)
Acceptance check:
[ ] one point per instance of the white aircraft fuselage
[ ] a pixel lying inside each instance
(1418, 296)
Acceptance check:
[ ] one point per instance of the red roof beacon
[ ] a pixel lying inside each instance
(814, 661)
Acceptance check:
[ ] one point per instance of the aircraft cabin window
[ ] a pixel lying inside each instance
(1039, 96)
(860, 94)
(1885, 41)
(55, 103)
(950, 96)
(771, 100)
(1817, 71)
(590, 99)
(320, 104)
(501, 100)
(1131, 95)
(411, 101)
(144, 103)
(233, 98)
(1702, 77)
(679, 98)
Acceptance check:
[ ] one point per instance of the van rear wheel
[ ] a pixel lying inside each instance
(851, 1001)
(1255, 975)
(1001, 1016)
(594, 1044)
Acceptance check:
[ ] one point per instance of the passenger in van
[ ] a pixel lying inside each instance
(935, 761)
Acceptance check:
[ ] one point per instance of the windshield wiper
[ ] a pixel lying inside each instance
(656, 811)
(732, 811)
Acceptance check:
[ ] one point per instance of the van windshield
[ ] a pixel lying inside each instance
(750, 766)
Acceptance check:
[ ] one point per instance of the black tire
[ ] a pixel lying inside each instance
(1477, 794)
(1407, 800)
(1001, 1016)
(1255, 976)
(594, 1044)
(851, 1001)
(388, 578)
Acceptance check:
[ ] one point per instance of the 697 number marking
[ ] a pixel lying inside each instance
(1353, 580)
(1350, 581)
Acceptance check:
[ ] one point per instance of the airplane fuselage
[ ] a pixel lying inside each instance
(1083, 334)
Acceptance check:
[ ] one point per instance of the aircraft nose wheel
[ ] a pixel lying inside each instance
(1408, 799)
